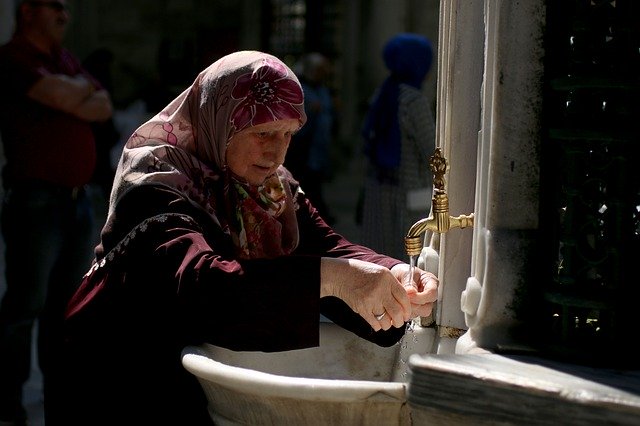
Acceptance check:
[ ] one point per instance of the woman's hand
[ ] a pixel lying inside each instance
(422, 288)
(369, 289)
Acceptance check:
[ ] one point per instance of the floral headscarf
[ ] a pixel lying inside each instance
(184, 146)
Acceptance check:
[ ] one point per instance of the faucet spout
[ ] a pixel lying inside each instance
(439, 221)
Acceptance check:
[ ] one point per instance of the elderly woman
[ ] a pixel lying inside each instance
(209, 239)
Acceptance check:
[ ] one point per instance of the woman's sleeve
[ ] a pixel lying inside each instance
(260, 304)
(270, 304)
(320, 239)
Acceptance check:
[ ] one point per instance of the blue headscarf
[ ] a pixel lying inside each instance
(408, 57)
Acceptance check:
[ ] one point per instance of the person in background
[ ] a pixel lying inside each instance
(309, 157)
(399, 137)
(210, 239)
(46, 109)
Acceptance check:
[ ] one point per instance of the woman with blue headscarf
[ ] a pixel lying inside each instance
(399, 135)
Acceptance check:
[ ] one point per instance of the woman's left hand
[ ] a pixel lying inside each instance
(422, 289)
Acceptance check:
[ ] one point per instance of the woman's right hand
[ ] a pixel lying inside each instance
(368, 289)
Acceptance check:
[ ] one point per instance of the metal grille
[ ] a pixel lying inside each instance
(287, 27)
(299, 26)
(591, 177)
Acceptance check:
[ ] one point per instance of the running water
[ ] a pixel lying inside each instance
(409, 282)
(410, 339)
(409, 279)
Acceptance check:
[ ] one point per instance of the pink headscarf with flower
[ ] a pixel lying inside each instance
(184, 147)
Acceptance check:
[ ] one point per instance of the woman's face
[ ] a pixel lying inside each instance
(256, 152)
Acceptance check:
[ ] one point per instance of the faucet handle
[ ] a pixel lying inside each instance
(438, 165)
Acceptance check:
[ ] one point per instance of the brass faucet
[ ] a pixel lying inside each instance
(439, 221)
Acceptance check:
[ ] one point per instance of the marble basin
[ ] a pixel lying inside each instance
(345, 380)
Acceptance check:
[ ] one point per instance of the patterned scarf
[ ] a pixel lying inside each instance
(184, 147)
